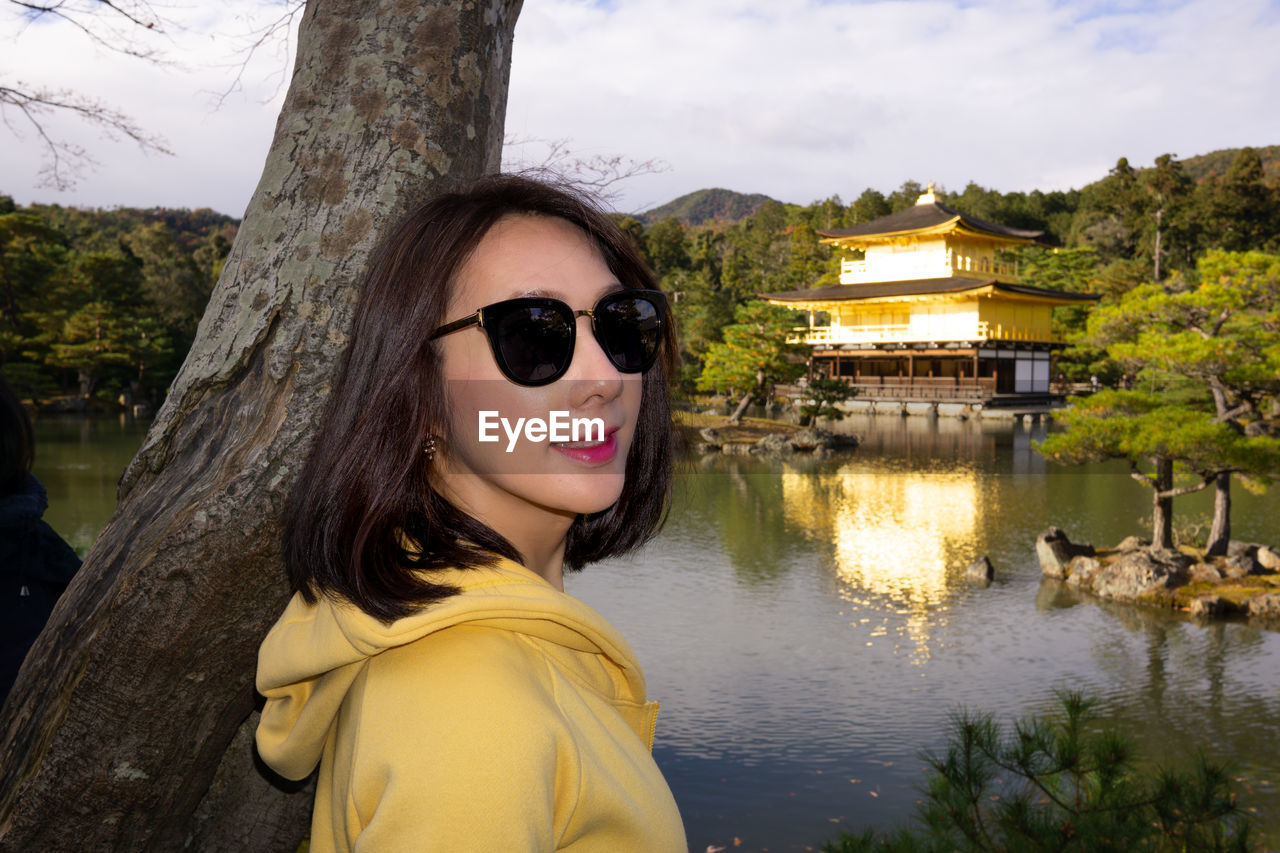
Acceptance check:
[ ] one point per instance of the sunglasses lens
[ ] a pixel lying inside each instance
(629, 330)
(533, 342)
(532, 338)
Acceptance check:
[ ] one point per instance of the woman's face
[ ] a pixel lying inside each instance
(522, 480)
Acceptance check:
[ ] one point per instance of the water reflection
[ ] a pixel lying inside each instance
(899, 535)
(79, 460)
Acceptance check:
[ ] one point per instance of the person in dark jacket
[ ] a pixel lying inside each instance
(35, 563)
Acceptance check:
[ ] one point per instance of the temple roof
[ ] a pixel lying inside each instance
(921, 287)
(925, 216)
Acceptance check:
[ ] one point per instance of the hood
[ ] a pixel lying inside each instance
(24, 507)
(314, 652)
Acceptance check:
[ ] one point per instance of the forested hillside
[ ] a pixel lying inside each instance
(101, 304)
(696, 208)
(1216, 163)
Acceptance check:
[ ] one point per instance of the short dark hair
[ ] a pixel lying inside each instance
(17, 442)
(363, 521)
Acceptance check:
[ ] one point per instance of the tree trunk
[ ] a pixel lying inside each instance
(1159, 220)
(1220, 530)
(130, 723)
(736, 417)
(1162, 505)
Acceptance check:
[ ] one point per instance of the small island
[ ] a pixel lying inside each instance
(1244, 582)
(705, 433)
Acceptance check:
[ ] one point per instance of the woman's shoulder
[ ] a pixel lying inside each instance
(463, 665)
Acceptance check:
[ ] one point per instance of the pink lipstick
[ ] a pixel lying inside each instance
(591, 452)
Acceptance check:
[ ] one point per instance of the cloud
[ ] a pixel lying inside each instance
(804, 99)
(799, 99)
(218, 151)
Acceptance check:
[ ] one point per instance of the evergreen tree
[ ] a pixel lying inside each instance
(1243, 212)
(1221, 335)
(754, 354)
(870, 205)
(1061, 783)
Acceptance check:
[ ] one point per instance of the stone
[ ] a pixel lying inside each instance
(1206, 605)
(1055, 551)
(737, 448)
(1235, 548)
(1239, 566)
(1205, 573)
(1268, 558)
(1139, 573)
(811, 438)
(710, 436)
(1267, 606)
(1082, 570)
(1133, 543)
(980, 571)
(1174, 558)
(775, 442)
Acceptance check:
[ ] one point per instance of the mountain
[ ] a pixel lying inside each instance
(1216, 163)
(701, 206)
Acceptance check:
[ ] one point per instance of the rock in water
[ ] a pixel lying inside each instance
(811, 438)
(1267, 606)
(775, 442)
(1082, 570)
(1140, 572)
(1206, 605)
(980, 571)
(1055, 551)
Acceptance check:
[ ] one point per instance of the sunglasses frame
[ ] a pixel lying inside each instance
(655, 297)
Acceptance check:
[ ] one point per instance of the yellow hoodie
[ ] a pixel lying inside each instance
(509, 717)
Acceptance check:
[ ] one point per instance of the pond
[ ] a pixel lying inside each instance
(807, 627)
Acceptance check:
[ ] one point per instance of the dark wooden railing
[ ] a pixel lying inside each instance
(912, 388)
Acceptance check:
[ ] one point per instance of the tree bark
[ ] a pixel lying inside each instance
(129, 725)
(1162, 505)
(1220, 529)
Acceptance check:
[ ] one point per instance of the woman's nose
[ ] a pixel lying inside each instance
(591, 370)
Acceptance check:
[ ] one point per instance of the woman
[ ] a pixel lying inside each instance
(455, 698)
(35, 562)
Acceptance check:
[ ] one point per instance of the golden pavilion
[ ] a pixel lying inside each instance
(929, 308)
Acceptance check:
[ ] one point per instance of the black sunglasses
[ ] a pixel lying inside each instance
(532, 337)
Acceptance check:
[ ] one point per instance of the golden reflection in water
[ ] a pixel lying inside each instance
(904, 535)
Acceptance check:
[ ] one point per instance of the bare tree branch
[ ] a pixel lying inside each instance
(65, 162)
(278, 31)
(597, 175)
(114, 25)
(136, 17)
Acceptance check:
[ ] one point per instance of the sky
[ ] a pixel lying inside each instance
(797, 99)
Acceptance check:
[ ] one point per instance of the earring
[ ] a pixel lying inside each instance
(429, 447)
